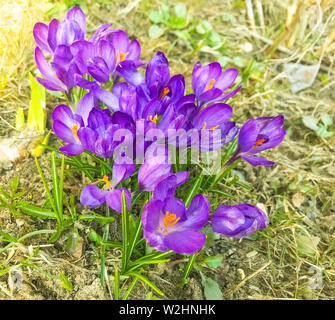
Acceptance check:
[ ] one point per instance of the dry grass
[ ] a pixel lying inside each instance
(298, 193)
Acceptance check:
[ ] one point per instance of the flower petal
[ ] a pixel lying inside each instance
(92, 196)
(114, 199)
(185, 242)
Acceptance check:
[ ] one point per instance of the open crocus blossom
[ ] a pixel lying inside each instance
(93, 196)
(65, 126)
(71, 29)
(168, 225)
(257, 135)
(238, 221)
(209, 83)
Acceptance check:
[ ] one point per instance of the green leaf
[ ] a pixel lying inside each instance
(204, 27)
(193, 190)
(155, 32)
(211, 289)
(327, 120)
(125, 231)
(147, 281)
(36, 112)
(188, 269)
(310, 123)
(66, 284)
(56, 189)
(116, 284)
(14, 184)
(215, 261)
(180, 9)
(20, 123)
(93, 236)
(323, 133)
(5, 193)
(156, 17)
(178, 22)
(38, 212)
(214, 39)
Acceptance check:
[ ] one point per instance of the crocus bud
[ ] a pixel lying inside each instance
(238, 221)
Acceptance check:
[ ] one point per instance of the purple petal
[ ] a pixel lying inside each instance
(88, 138)
(122, 171)
(129, 72)
(50, 85)
(63, 132)
(166, 187)
(213, 116)
(85, 105)
(107, 52)
(258, 161)
(197, 213)
(78, 15)
(120, 41)
(226, 79)
(72, 149)
(107, 98)
(52, 33)
(134, 51)
(114, 199)
(41, 36)
(92, 196)
(152, 215)
(185, 242)
(248, 135)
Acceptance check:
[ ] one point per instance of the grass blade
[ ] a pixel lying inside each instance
(147, 281)
(193, 190)
(188, 269)
(116, 284)
(125, 229)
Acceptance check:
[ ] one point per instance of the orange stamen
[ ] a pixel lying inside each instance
(170, 219)
(210, 86)
(259, 143)
(165, 91)
(75, 131)
(108, 184)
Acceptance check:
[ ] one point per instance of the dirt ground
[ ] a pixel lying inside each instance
(297, 193)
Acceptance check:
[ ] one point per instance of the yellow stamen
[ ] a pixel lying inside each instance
(210, 86)
(75, 131)
(153, 119)
(108, 184)
(165, 91)
(204, 127)
(170, 219)
(258, 143)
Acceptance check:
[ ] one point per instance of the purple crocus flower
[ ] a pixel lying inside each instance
(93, 196)
(209, 83)
(71, 29)
(97, 60)
(98, 135)
(56, 39)
(125, 50)
(158, 84)
(55, 78)
(65, 126)
(257, 135)
(238, 221)
(168, 225)
(207, 129)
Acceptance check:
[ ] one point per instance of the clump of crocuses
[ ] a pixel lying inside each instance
(123, 111)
